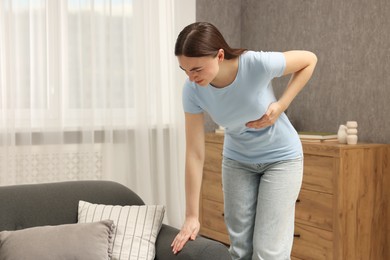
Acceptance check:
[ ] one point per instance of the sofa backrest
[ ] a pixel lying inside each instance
(23, 206)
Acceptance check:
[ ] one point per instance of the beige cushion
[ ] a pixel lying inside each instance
(137, 227)
(90, 241)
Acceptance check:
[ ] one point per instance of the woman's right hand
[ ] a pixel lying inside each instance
(189, 231)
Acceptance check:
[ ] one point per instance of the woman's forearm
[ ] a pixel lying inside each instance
(195, 146)
(298, 80)
(193, 182)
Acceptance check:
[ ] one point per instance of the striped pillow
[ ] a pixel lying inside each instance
(136, 230)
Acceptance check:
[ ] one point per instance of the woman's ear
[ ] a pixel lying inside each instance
(221, 55)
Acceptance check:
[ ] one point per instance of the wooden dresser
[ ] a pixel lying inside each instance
(343, 209)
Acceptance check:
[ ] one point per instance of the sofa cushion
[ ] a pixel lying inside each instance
(89, 241)
(137, 227)
(31, 205)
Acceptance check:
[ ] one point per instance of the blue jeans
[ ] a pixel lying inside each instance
(259, 204)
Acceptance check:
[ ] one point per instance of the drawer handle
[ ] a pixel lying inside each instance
(297, 235)
(298, 200)
(223, 214)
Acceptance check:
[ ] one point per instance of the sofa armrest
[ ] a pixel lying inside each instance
(199, 249)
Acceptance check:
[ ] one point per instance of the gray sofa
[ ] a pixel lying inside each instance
(23, 206)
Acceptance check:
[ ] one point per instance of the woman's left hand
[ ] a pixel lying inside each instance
(269, 118)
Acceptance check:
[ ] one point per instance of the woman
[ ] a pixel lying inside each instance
(262, 155)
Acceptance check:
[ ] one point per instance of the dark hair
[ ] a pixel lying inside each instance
(203, 39)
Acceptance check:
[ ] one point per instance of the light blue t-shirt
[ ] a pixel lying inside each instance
(246, 99)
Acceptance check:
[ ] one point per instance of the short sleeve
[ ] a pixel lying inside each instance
(274, 63)
(190, 104)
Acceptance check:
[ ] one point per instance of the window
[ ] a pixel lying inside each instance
(67, 61)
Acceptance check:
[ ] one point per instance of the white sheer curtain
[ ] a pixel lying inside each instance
(89, 90)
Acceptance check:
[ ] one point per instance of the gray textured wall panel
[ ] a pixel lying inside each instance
(352, 42)
(225, 15)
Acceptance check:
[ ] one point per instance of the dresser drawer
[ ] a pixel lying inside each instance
(215, 216)
(315, 209)
(213, 157)
(318, 173)
(295, 258)
(212, 186)
(312, 243)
